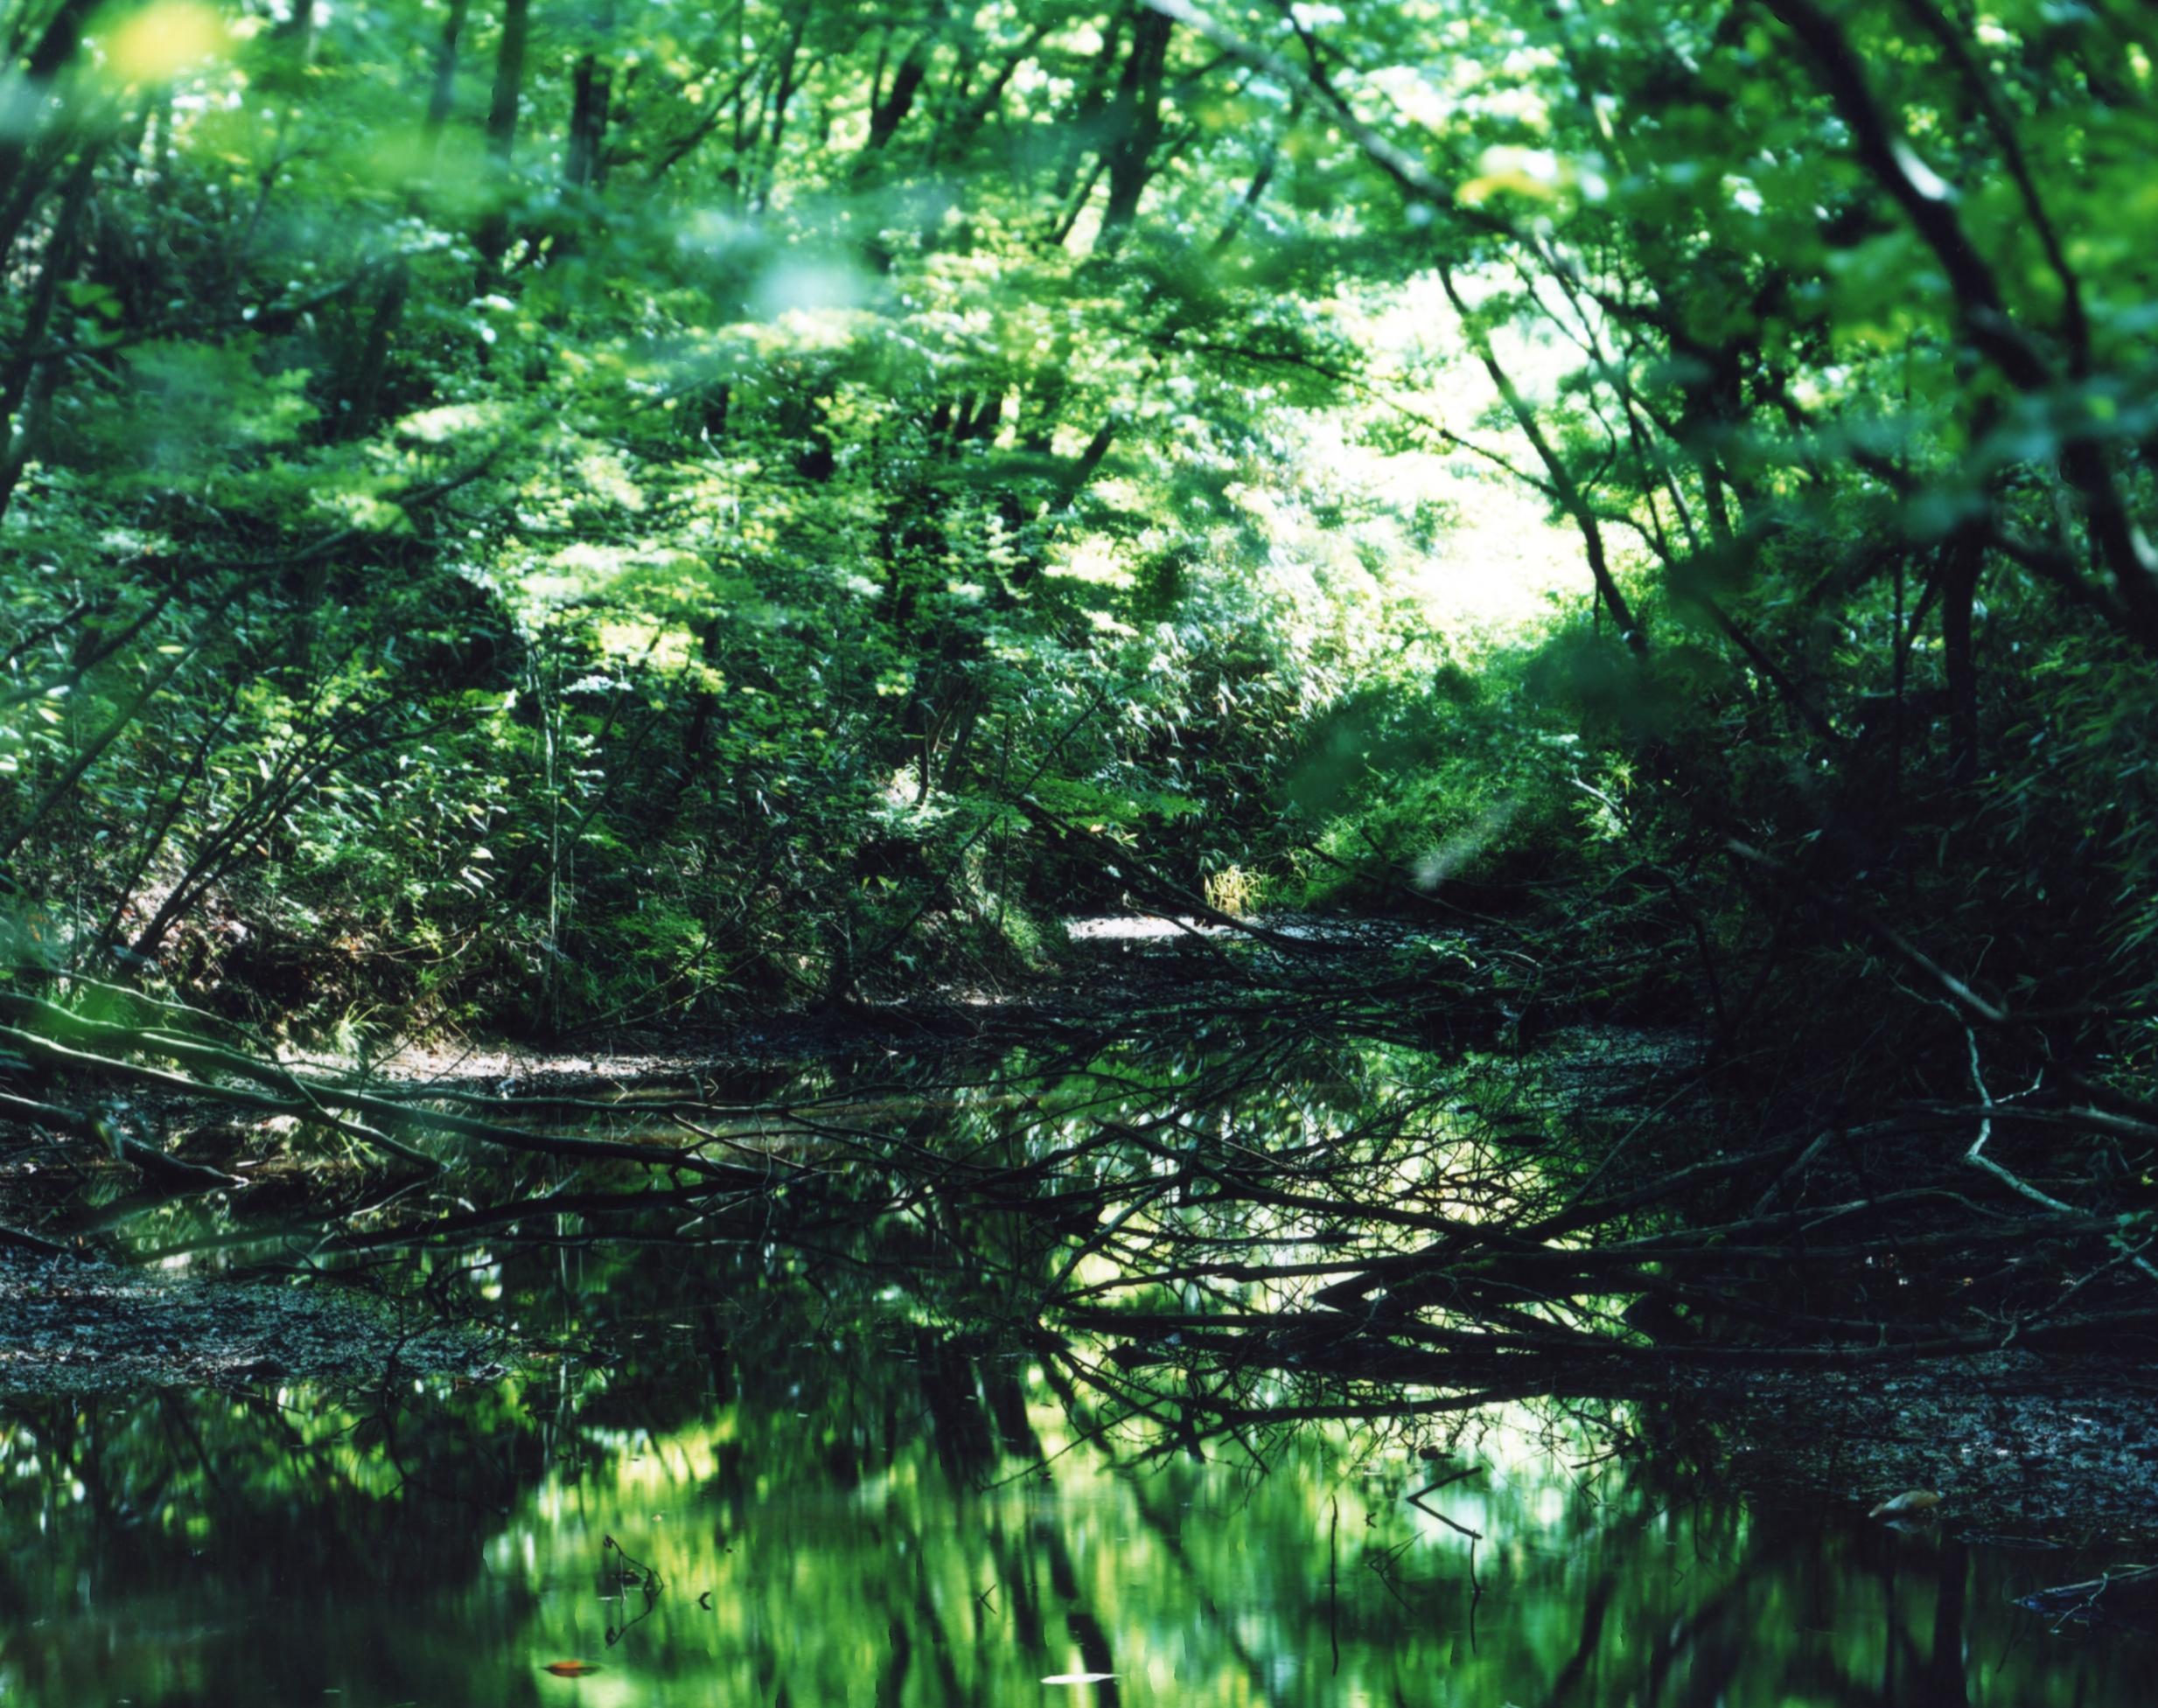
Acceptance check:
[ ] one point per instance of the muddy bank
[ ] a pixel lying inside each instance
(72, 1326)
(2055, 1453)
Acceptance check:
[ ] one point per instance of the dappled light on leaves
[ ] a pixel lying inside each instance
(161, 41)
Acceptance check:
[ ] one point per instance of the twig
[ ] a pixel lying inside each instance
(1976, 1158)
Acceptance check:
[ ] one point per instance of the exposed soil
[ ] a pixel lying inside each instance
(68, 1327)
(2021, 1448)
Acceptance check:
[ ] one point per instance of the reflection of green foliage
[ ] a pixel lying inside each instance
(818, 1537)
(848, 1448)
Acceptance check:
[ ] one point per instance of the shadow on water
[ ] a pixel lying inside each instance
(873, 1435)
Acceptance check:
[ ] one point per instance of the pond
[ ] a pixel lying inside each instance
(749, 1454)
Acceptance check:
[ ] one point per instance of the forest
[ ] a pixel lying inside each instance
(1317, 714)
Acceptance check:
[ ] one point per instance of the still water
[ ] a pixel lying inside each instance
(832, 1528)
(850, 1466)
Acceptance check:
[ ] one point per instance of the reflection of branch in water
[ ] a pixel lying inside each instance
(2129, 1596)
(1385, 1564)
(630, 1574)
(1333, 1577)
(1231, 1227)
(1417, 1501)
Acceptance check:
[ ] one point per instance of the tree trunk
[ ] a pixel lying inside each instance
(1564, 491)
(509, 80)
(63, 251)
(1135, 126)
(585, 161)
(364, 398)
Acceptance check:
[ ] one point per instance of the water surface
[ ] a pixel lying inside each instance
(839, 1464)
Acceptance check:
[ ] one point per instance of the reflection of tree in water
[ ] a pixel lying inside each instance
(1051, 1364)
(1222, 1221)
(889, 1514)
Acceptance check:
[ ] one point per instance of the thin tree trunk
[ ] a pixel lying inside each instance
(1569, 496)
(492, 241)
(62, 252)
(584, 162)
(1136, 126)
(365, 398)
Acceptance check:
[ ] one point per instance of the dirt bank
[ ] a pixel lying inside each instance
(70, 1327)
(2061, 1452)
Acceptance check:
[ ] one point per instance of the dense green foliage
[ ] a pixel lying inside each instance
(577, 519)
(526, 515)
(679, 535)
